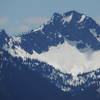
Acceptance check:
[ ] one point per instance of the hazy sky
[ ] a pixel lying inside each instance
(18, 16)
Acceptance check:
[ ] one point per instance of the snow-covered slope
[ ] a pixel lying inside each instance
(62, 43)
(64, 57)
(65, 50)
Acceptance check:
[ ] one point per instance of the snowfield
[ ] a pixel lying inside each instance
(64, 57)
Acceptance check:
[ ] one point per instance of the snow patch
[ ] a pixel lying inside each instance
(93, 31)
(17, 39)
(82, 18)
(67, 19)
(39, 29)
(59, 35)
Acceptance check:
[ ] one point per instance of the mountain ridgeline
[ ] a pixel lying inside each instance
(69, 26)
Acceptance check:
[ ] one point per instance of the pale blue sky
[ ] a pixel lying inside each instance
(21, 15)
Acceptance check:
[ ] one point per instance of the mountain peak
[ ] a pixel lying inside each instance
(81, 30)
(72, 12)
(67, 17)
(3, 38)
(75, 16)
(2, 31)
(56, 17)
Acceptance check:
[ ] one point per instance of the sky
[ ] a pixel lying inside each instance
(17, 16)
